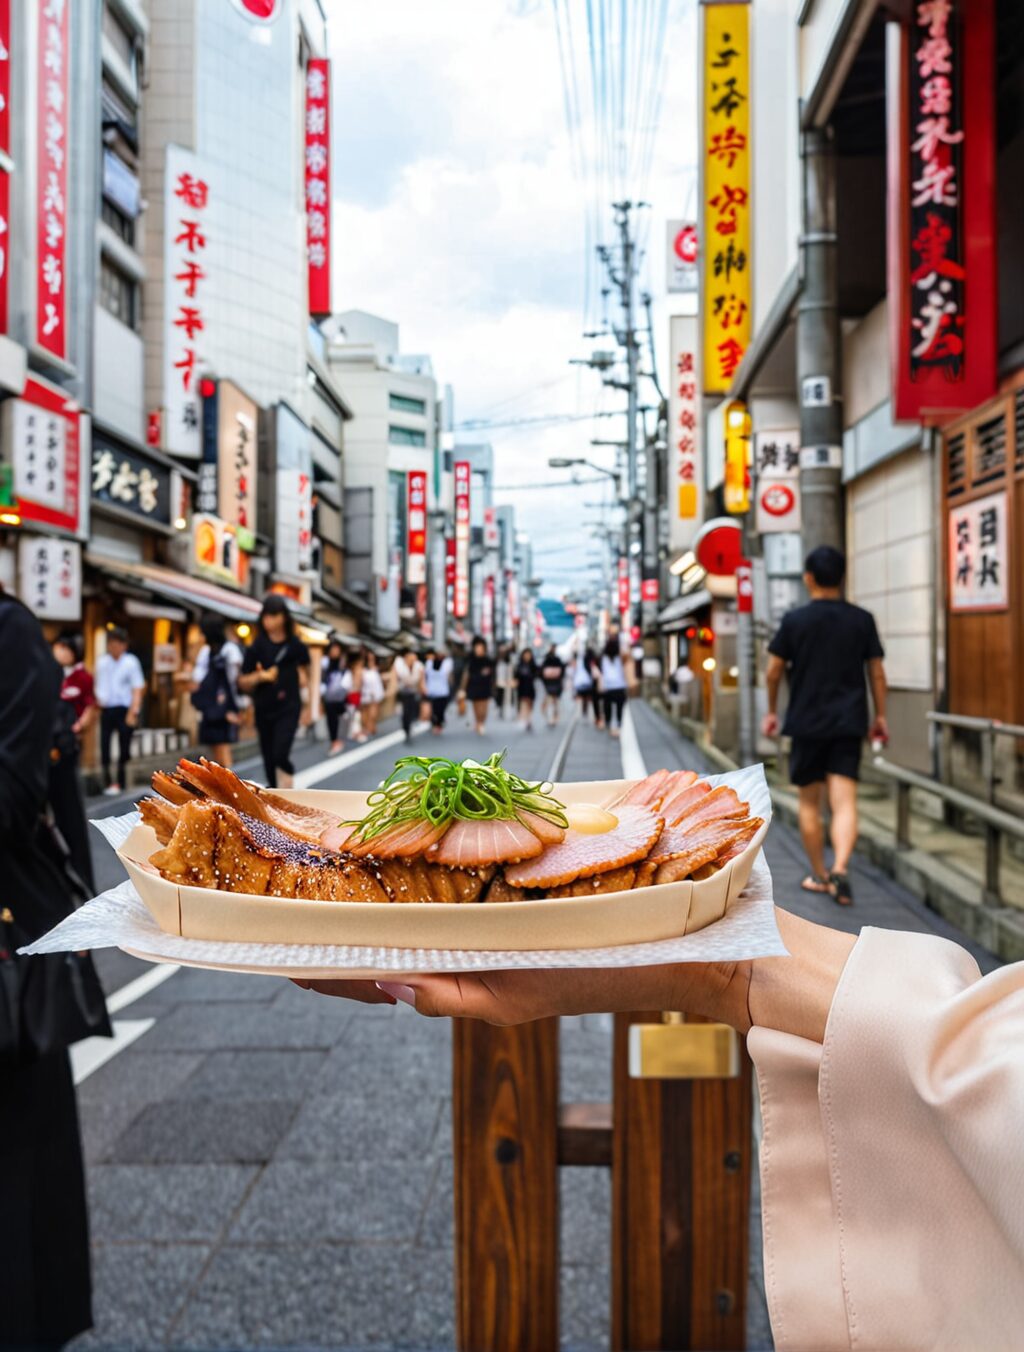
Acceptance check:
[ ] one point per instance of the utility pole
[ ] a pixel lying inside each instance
(818, 352)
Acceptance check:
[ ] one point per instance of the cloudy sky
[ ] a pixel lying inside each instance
(458, 214)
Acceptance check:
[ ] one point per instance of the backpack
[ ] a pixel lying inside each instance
(215, 699)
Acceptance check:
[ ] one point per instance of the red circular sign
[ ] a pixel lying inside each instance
(685, 244)
(778, 499)
(719, 547)
(259, 11)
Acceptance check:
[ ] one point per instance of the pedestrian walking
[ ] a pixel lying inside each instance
(504, 681)
(75, 714)
(120, 685)
(614, 683)
(215, 693)
(824, 649)
(552, 673)
(478, 682)
(334, 687)
(437, 686)
(526, 687)
(47, 1003)
(372, 695)
(408, 671)
(584, 683)
(276, 672)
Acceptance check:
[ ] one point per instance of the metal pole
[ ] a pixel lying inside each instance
(818, 351)
(745, 686)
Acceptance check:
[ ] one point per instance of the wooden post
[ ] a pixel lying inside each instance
(680, 1207)
(505, 1129)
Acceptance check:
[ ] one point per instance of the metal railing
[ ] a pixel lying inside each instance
(988, 729)
(995, 821)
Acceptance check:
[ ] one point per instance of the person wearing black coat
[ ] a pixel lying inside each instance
(44, 1240)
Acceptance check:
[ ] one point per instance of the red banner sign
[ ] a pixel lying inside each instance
(623, 586)
(52, 177)
(942, 224)
(318, 185)
(416, 527)
(462, 480)
(649, 590)
(44, 442)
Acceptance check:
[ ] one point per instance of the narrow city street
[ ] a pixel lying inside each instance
(271, 1168)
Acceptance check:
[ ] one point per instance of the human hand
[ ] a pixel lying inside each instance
(305, 717)
(770, 725)
(131, 718)
(880, 730)
(716, 990)
(268, 674)
(233, 718)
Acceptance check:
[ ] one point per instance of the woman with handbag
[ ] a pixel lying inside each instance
(46, 1004)
(215, 693)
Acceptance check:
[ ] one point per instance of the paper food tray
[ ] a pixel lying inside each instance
(606, 920)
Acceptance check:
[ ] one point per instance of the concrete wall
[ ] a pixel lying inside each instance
(117, 376)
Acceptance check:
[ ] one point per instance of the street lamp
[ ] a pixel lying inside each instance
(567, 462)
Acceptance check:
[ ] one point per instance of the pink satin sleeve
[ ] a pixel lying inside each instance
(892, 1157)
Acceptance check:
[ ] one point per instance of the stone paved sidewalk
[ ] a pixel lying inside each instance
(269, 1168)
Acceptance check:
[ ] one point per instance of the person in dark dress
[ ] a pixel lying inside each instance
(526, 687)
(76, 710)
(275, 671)
(826, 649)
(45, 1295)
(478, 682)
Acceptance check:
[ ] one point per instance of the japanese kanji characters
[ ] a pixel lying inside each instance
(189, 245)
(318, 185)
(51, 176)
(978, 554)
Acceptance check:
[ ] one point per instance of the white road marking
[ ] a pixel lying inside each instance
(633, 766)
(141, 986)
(93, 1052)
(313, 774)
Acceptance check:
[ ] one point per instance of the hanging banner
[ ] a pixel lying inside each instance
(624, 598)
(492, 538)
(725, 154)
(52, 141)
(5, 156)
(186, 278)
(416, 527)
(487, 608)
(41, 432)
(777, 492)
(942, 209)
(978, 554)
(683, 249)
(50, 577)
(318, 185)
(686, 467)
(462, 481)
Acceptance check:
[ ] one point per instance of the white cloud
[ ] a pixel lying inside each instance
(457, 215)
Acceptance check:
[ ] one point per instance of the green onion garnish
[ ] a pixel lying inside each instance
(438, 790)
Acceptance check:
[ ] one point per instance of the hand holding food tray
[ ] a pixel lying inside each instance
(446, 866)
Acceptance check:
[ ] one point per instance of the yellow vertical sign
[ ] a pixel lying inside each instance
(725, 153)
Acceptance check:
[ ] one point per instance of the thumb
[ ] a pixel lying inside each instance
(438, 997)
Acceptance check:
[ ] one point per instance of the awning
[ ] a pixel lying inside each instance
(193, 592)
(677, 612)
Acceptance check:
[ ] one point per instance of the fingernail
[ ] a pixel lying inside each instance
(404, 993)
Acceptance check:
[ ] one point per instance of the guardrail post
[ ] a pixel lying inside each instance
(991, 894)
(988, 762)
(903, 815)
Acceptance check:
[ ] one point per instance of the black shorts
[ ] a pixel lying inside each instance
(813, 759)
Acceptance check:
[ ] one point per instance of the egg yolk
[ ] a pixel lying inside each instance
(589, 819)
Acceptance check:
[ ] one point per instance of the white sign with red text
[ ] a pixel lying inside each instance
(52, 62)
(186, 282)
(42, 432)
(777, 469)
(686, 471)
(50, 577)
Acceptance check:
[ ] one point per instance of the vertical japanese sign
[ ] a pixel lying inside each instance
(318, 185)
(941, 209)
(293, 525)
(726, 190)
(52, 176)
(50, 577)
(462, 481)
(624, 591)
(5, 156)
(686, 470)
(978, 554)
(492, 537)
(186, 202)
(777, 465)
(43, 437)
(416, 527)
(236, 459)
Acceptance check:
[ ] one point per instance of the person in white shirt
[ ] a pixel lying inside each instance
(437, 686)
(408, 672)
(120, 685)
(373, 695)
(215, 689)
(613, 682)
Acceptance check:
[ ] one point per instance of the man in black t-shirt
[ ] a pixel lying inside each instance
(823, 648)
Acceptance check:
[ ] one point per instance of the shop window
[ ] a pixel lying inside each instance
(956, 464)
(403, 403)
(119, 294)
(122, 226)
(990, 449)
(406, 436)
(120, 37)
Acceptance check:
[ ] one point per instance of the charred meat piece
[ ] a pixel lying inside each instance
(224, 786)
(617, 880)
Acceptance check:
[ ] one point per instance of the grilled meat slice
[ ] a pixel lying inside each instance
(722, 801)
(471, 844)
(224, 786)
(581, 855)
(616, 880)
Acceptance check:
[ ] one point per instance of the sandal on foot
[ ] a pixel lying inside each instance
(814, 882)
(842, 892)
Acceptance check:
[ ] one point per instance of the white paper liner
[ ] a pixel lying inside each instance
(119, 918)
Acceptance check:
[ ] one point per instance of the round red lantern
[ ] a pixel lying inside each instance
(719, 546)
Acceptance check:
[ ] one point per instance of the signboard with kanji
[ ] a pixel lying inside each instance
(416, 527)
(725, 163)
(318, 185)
(978, 555)
(51, 183)
(186, 279)
(686, 467)
(777, 491)
(293, 520)
(129, 482)
(941, 210)
(462, 505)
(50, 577)
(42, 436)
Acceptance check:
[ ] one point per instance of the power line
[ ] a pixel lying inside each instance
(548, 483)
(484, 424)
